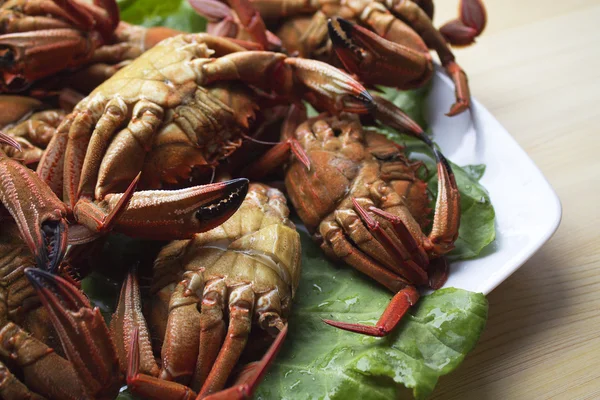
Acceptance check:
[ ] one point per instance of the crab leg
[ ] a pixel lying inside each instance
(339, 247)
(438, 271)
(446, 219)
(48, 37)
(179, 349)
(413, 272)
(420, 22)
(248, 19)
(212, 330)
(404, 235)
(148, 386)
(182, 336)
(240, 320)
(44, 371)
(13, 389)
(252, 374)
(9, 140)
(392, 315)
(291, 77)
(82, 332)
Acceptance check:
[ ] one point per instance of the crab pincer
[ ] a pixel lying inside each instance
(84, 335)
(385, 61)
(39, 214)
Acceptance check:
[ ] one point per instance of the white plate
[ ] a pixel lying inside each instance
(528, 210)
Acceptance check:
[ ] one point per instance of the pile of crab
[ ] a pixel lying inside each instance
(110, 127)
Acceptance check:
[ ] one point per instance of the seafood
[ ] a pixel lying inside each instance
(364, 204)
(161, 102)
(248, 268)
(245, 271)
(172, 92)
(186, 105)
(127, 43)
(382, 42)
(42, 37)
(29, 124)
(27, 338)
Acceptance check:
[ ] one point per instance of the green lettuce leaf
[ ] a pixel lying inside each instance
(319, 362)
(175, 14)
(411, 102)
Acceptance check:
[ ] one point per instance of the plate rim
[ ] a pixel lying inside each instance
(553, 202)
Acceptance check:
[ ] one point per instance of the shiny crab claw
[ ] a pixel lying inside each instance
(163, 214)
(378, 60)
(43, 219)
(374, 59)
(82, 332)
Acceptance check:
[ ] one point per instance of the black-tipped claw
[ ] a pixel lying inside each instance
(340, 32)
(53, 289)
(366, 98)
(235, 191)
(439, 157)
(54, 237)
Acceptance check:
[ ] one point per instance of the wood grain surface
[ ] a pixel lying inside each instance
(537, 69)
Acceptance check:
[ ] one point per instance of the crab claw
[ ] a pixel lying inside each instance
(332, 88)
(39, 214)
(82, 332)
(166, 214)
(374, 59)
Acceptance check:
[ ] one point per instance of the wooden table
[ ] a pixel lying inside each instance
(537, 69)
